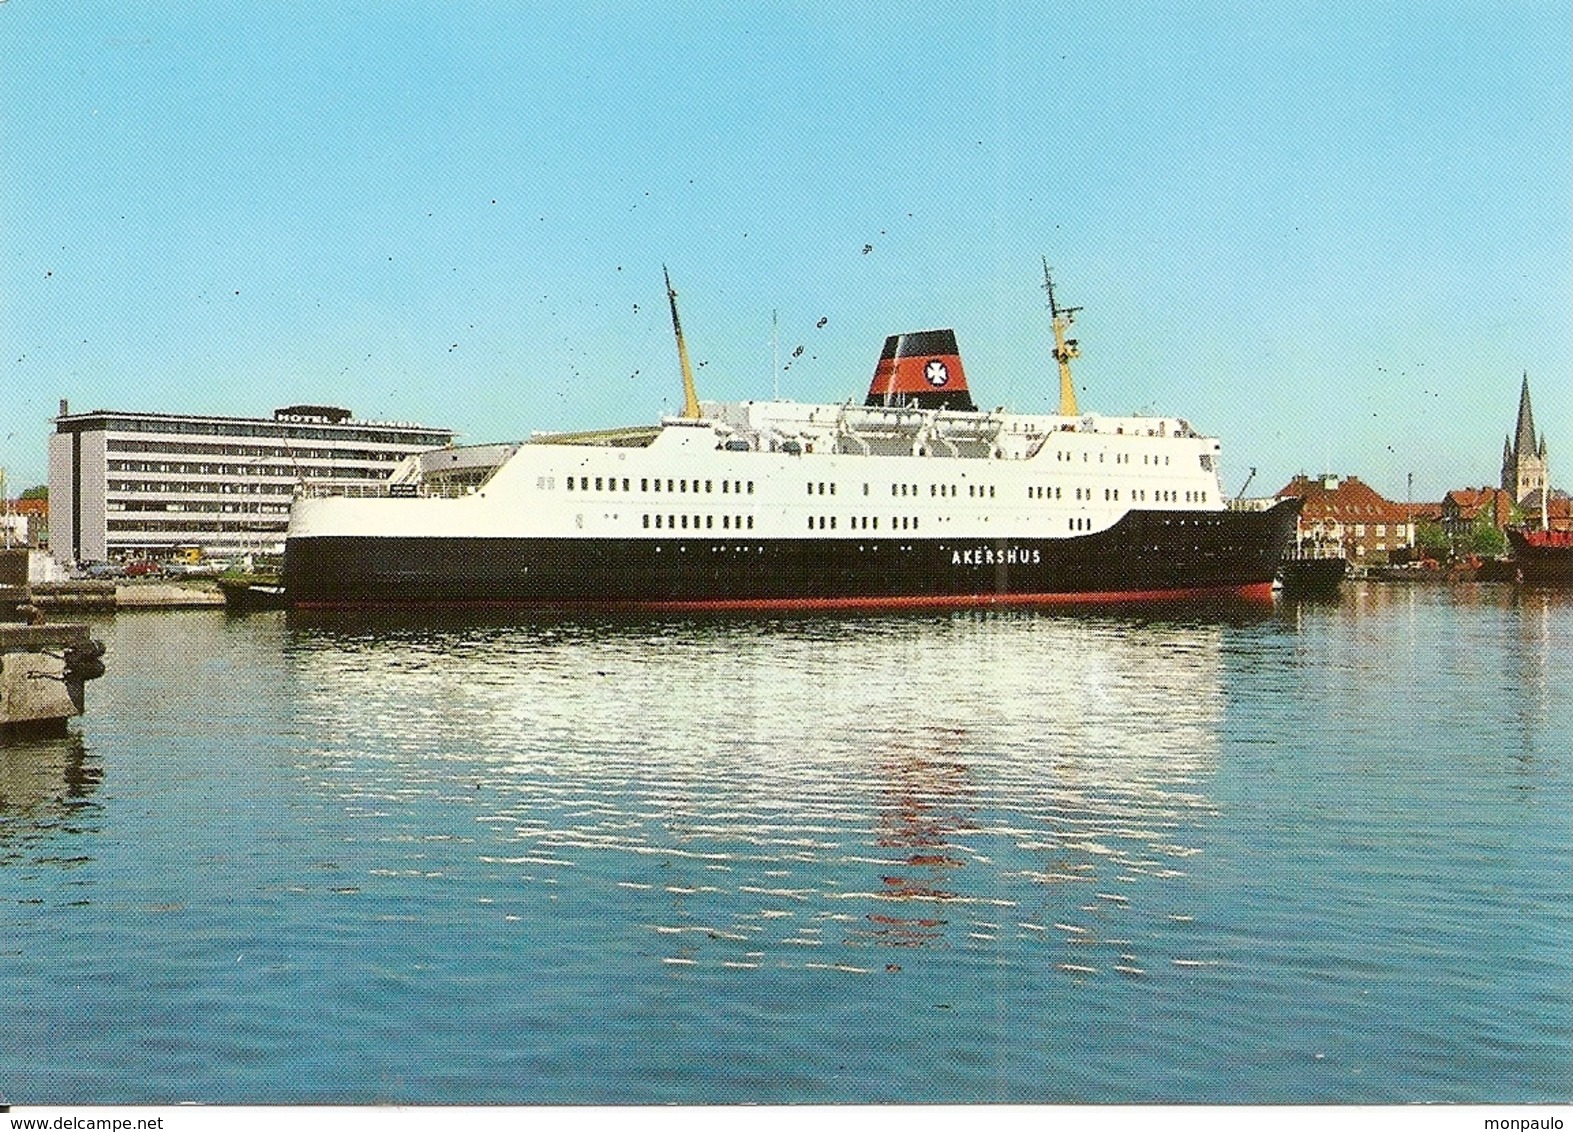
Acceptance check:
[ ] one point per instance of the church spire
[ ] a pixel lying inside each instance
(1524, 453)
(1524, 443)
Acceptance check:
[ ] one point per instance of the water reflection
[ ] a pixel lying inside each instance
(924, 809)
(45, 786)
(797, 791)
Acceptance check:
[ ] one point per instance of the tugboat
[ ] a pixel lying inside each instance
(1313, 569)
(915, 498)
(251, 593)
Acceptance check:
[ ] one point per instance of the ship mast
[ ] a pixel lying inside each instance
(690, 398)
(1064, 348)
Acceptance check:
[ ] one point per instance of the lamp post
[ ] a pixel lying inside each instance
(1409, 516)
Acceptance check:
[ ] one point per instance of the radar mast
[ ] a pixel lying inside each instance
(1064, 348)
(690, 398)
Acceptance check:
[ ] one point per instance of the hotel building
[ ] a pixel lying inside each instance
(128, 485)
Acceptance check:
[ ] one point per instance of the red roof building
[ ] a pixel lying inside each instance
(1558, 510)
(1465, 508)
(27, 520)
(1343, 511)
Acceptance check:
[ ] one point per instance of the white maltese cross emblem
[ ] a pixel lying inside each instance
(936, 372)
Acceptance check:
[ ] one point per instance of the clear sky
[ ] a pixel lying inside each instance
(1335, 234)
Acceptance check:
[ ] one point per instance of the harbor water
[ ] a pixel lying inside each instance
(1309, 854)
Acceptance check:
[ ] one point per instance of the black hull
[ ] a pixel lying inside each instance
(1312, 577)
(1146, 556)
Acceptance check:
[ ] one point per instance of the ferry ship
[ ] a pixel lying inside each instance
(914, 497)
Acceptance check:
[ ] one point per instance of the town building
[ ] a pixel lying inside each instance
(130, 485)
(36, 512)
(1343, 511)
(13, 529)
(1466, 509)
(1556, 510)
(1524, 463)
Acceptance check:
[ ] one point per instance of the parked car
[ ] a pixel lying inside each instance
(104, 570)
(142, 568)
(192, 569)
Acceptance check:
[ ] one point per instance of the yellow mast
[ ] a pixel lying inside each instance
(690, 398)
(1064, 348)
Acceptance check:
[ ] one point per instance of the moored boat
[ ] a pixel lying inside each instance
(250, 593)
(1543, 556)
(916, 497)
(1313, 571)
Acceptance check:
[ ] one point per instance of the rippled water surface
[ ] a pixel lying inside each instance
(1320, 853)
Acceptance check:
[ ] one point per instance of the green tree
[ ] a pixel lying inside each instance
(1431, 540)
(1486, 541)
(39, 492)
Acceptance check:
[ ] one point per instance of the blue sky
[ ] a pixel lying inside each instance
(1333, 234)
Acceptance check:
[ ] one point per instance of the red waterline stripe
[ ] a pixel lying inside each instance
(1259, 592)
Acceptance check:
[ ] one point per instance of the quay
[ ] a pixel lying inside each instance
(42, 672)
(43, 668)
(107, 597)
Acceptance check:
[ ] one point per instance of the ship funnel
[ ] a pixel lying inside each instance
(921, 370)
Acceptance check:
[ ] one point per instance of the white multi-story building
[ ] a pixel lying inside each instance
(124, 485)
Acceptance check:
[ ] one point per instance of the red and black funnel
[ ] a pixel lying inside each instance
(921, 370)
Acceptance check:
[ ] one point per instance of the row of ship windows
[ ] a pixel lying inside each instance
(646, 484)
(863, 523)
(1119, 458)
(746, 522)
(974, 490)
(902, 523)
(897, 490)
(1112, 495)
(680, 522)
(905, 490)
(1042, 491)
